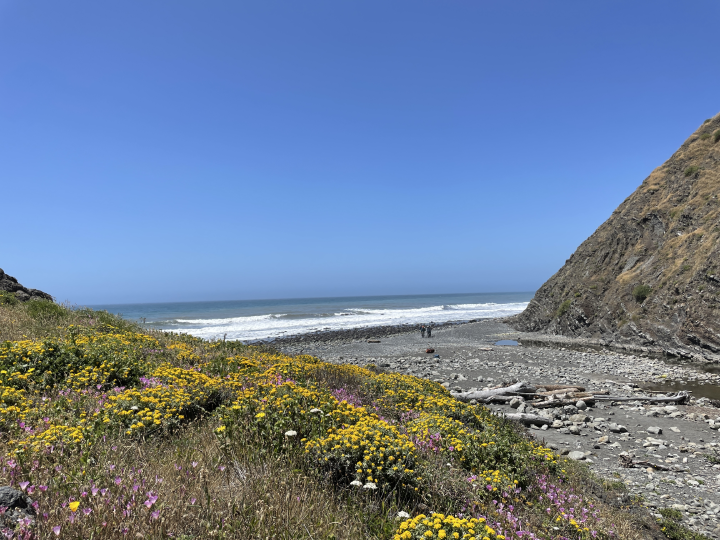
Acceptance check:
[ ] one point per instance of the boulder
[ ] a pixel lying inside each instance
(11, 285)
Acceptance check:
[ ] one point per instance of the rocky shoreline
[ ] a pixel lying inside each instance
(667, 455)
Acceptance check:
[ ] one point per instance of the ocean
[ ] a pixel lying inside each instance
(253, 320)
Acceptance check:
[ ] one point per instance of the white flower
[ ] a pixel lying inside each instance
(370, 485)
(357, 483)
(402, 515)
(315, 410)
(290, 433)
(134, 408)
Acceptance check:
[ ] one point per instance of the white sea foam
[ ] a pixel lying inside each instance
(280, 325)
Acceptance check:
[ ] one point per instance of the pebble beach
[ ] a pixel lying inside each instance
(679, 443)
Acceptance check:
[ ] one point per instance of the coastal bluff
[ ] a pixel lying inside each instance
(649, 277)
(11, 285)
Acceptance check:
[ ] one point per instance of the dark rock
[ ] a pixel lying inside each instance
(14, 498)
(10, 284)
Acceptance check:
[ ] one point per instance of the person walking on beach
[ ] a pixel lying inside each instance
(422, 330)
(429, 330)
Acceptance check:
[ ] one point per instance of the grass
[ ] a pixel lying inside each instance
(116, 431)
(716, 136)
(691, 170)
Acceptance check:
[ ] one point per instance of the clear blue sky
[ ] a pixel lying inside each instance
(186, 150)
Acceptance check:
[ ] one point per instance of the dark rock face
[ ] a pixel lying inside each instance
(665, 237)
(11, 498)
(10, 284)
(16, 506)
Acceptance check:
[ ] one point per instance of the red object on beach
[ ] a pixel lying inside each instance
(429, 351)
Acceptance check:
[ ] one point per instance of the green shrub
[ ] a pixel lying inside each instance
(691, 170)
(704, 136)
(673, 530)
(716, 136)
(562, 308)
(670, 513)
(641, 292)
(39, 309)
(8, 299)
(578, 295)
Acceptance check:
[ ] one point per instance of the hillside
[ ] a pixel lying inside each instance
(650, 275)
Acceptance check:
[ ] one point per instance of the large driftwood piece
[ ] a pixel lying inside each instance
(552, 387)
(529, 419)
(680, 397)
(552, 403)
(481, 395)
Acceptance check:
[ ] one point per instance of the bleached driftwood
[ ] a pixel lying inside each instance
(482, 395)
(553, 387)
(680, 397)
(570, 390)
(529, 419)
(552, 403)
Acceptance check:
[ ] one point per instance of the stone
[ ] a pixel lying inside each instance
(654, 430)
(14, 499)
(603, 440)
(674, 429)
(516, 402)
(557, 424)
(576, 455)
(616, 428)
(581, 405)
(581, 418)
(574, 430)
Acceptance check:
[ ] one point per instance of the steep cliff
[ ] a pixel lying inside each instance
(11, 285)
(649, 275)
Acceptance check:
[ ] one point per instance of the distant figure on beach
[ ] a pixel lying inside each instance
(429, 330)
(422, 330)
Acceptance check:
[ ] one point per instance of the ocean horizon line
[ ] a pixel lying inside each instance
(299, 298)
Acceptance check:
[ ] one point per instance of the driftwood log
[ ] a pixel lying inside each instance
(555, 387)
(552, 403)
(529, 419)
(557, 395)
(629, 463)
(482, 395)
(680, 397)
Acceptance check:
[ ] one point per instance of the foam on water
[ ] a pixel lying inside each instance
(249, 328)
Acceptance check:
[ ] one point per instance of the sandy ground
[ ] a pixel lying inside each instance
(680, 437)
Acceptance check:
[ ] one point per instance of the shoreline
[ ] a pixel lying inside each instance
(359, 333)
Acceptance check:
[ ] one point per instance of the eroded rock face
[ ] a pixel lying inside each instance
(10, 284)
(665, 239)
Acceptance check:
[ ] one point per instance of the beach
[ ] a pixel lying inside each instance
(678, 441)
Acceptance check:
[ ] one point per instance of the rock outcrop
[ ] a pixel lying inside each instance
(10, 284)
(650, 275)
